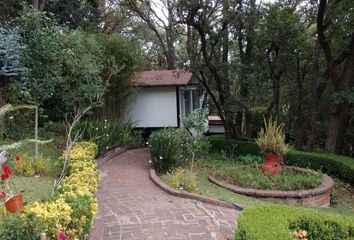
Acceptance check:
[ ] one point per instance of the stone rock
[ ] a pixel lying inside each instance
(4, 157)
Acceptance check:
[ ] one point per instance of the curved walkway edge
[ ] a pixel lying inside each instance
(194, 196)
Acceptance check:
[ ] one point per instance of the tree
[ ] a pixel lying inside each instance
(337, 41)
(11, 67)
(212, 68)
(164, 25)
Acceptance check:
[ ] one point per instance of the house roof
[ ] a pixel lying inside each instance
(162, 78)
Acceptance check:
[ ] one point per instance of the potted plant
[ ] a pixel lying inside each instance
(13, 201)
(271, 141)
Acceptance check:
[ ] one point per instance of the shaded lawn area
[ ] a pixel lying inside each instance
(345, 195)
(34, 188)
(38, 188)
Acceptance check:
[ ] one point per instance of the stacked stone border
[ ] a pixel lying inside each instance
(184, 194)
(316, 197)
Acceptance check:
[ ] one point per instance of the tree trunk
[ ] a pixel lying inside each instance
(339, 110)
(338, 123)
(317, 89)
(2, 103)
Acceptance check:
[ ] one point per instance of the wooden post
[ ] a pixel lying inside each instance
(43, 236)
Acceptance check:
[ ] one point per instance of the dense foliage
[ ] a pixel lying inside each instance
(268, 222)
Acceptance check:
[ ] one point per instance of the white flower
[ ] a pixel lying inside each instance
(149, 161)
(11, 117)
(107, 135)
(147, 143)
(96, 129)
(105, 120)
(160, 157)
(105, 127)
(107, 147)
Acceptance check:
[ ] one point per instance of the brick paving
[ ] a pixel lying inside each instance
(131, 207)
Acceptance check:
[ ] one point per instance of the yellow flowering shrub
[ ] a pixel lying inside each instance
(55, 216)
(76, 205)
(80, 150)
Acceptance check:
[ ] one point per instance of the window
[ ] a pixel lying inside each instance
(189, 100)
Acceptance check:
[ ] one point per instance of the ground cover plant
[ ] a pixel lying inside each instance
(251, 176)
(268, 222)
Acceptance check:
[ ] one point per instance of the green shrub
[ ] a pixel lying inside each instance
(82, 214)
(322, 228)
(249, 158)
(273, 222)
(20, 226)
(28, 166)
(232, 147)
(184, 179)
(335, 165)
(166, 147)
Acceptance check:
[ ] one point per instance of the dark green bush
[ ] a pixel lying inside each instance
(232, 147)
(166, 147)
(318, 228)
(20, 226)
(334, 165)
(273, 222)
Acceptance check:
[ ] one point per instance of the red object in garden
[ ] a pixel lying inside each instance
(271, 164)
(14, 204)
(17, 158)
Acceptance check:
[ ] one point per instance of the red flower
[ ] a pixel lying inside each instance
(2, 195)
(5, 176)
(17, 158)
(6, 169)
(71, 236)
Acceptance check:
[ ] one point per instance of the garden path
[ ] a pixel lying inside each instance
(132, 207)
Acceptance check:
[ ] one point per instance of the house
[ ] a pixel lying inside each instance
(163, 98)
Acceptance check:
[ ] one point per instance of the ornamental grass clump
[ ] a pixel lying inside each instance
(271, 138)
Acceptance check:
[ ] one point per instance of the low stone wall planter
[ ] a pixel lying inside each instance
(155, 179)
(316, 197)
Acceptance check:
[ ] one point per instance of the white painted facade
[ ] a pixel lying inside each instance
(154, 107)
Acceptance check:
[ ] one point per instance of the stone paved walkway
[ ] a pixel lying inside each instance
(132, 207)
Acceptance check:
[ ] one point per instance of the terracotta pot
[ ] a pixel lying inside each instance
(271, 164)
(14, 204)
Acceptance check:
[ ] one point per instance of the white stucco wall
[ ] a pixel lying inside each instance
(153, 107)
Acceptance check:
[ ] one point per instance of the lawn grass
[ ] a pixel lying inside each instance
(34, 188)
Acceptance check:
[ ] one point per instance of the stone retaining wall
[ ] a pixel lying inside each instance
(317, 197)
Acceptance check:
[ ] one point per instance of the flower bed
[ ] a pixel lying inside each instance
(332, 164)
(268, 222)
(73, 207)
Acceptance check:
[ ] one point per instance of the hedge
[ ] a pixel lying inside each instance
(273, 222)
(334, 165)
(233, 147)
